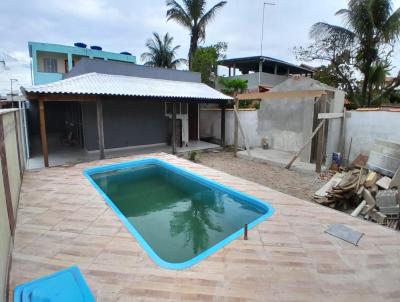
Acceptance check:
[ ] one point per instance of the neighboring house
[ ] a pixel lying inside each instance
(262, 71)
(50, 62)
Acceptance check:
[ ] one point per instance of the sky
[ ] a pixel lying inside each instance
(122, 25)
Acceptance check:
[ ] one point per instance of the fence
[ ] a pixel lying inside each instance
(12, 163)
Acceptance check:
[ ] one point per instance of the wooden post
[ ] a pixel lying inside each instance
(173, 143)
(320, 149)
(245, 232)
(21, 173)
(223, 125)
(100, 127)
(43, 135)
(6, 180)
(236, 130)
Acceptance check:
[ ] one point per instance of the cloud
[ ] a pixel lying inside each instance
(126, 25)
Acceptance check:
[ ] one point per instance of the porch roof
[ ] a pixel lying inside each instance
(97, 84)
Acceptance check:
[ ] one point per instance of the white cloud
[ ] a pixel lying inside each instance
(126, 24)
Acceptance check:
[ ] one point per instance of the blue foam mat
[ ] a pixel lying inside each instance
(64, 286)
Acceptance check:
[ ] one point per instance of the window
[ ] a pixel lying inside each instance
(181, 108)
(50, 65)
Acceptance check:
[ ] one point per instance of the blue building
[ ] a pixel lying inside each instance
(51, 61)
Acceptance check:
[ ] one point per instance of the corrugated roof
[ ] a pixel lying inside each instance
(118, 85)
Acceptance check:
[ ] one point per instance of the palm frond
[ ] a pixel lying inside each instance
(209, 16)
(322, 30)
(380, 12)
(391, 28)
(177, 13)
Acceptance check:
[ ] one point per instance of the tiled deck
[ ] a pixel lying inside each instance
(63, 221)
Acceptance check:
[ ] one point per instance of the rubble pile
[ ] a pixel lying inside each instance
(368, 188)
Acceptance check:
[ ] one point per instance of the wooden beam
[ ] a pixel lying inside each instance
(6, 180)
(21, 173)
(332, 115)
(173, 143)
(43, 135)
(320, 148)
(100, 127)
(236, 130)
(280, 94)
(223, 125)
(305, 144)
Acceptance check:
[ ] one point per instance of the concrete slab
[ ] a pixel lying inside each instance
(279, 158)
(64, 155)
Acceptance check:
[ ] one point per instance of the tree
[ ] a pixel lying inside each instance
(192, 14)
(232, 86)
(205, 61)
(161, 52)
(372, 28)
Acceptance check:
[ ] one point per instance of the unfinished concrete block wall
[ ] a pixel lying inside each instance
(287, 123)
(364, 127)
(12, 166)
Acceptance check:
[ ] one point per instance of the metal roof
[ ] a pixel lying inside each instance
(118, 85)
(251, 63)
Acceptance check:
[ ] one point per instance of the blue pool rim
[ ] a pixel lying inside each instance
(193, 176)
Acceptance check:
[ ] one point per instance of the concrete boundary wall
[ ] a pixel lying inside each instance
(12, 165)
(364, 127)
(210, 125)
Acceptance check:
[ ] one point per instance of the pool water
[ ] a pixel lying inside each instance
(177, 216)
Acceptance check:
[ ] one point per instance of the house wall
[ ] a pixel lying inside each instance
(126, 123)
(364, 127)
(267, 79)
(86, 65)
(14, 161)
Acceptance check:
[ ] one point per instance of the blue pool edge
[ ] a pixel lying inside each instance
(184, 172)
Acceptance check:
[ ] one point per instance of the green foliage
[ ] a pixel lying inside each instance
(161, 52)
(193, 156)
(232, 86)
(364, 46)
(205, 61)
(193, 16)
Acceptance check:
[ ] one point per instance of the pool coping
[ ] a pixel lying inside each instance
(186, 173)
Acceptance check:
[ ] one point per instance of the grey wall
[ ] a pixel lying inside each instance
(126, 123)
(267, 79)
(287, 123)
(86, 65)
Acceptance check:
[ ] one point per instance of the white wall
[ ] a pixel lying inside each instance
(210, 125)
(363, 127)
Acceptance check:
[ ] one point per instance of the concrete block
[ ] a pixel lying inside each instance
(387, 198)
(395, 210)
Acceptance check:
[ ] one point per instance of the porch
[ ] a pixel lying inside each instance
(97, 116)
(60, 155)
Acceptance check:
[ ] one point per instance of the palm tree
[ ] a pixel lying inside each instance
(374, 25)
(192, 14)
(161, 52)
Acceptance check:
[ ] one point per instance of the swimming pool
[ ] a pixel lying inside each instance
(178, 217)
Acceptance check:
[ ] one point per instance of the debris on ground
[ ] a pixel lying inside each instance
(369, 188)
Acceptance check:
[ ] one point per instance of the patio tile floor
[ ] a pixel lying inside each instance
(63, 221)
